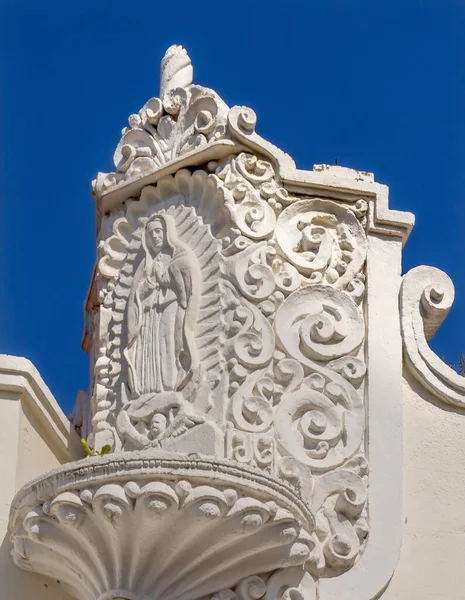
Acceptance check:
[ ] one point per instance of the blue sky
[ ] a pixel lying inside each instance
(377, 85)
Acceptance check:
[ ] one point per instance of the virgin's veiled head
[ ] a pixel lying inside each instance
(159, 234)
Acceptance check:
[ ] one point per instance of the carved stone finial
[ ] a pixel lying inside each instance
(175, 70)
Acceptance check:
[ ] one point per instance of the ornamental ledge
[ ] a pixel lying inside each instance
(206, 529)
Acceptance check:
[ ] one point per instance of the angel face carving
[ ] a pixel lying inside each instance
(162, 311)
(157, 426)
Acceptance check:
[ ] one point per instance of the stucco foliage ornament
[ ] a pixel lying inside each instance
(185, 118)
(232, 318)
(229, 348)
(224, 330)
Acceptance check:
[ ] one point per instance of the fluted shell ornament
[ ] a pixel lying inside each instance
(175, 70)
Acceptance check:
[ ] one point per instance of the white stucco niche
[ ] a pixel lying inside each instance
(245, 339)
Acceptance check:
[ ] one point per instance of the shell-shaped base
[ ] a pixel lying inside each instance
(139, 525)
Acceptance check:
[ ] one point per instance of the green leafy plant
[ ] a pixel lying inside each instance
(105, 449)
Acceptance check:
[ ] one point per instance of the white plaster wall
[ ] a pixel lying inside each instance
(35, 452)
(432, 561)
(28, 447)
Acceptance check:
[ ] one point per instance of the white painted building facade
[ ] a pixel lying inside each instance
(277, 424)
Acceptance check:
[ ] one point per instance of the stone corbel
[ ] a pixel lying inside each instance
(143, 525)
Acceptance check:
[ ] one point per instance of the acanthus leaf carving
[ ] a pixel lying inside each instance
(164, 130)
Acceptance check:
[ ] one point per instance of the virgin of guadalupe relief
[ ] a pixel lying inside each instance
(162, 312)
(161, 353)
(166, 366)
(247, 343)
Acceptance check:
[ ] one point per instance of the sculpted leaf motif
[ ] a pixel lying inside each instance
(164, 130)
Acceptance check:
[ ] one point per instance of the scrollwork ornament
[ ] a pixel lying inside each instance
(253, 205)
(287, 277)
(351, 368)
(321, 430)
(284, 584)
(339, 501)
(251, 406)
(253, 346)
(254, 276)
(319, 323)
(426, 297)
(291, 584)
(323, 240)
(254, 218)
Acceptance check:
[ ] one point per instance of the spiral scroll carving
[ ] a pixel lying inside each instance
(324, 240)
(320, 429)
(245, 177)
(426, 297)
(319, 323)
